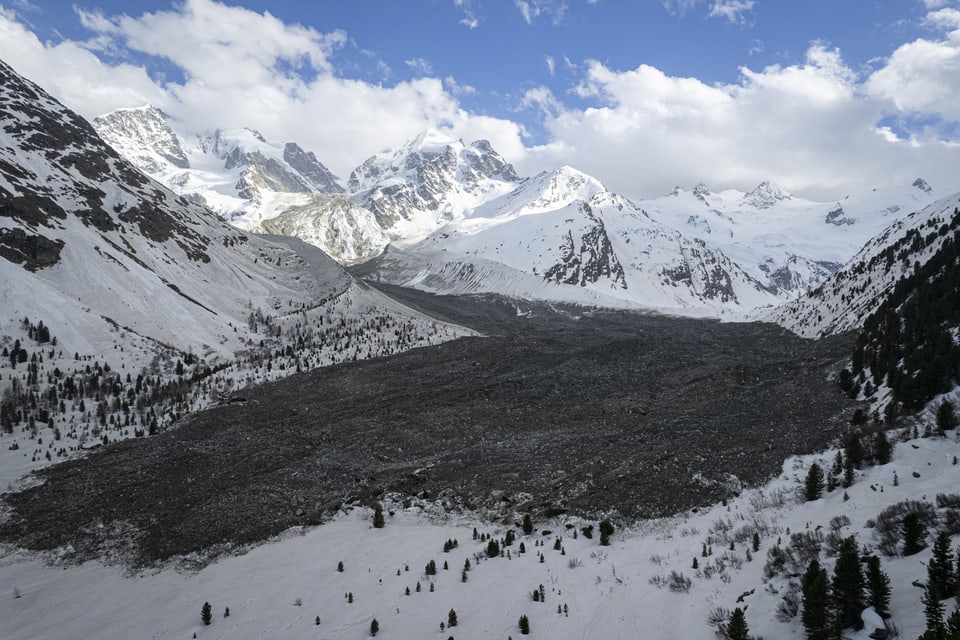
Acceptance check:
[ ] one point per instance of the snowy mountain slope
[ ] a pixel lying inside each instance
(583, 243)
(788, 243)
(92, 245)
(291, 587)
(429, 181)
(855, 291)
(245, 178)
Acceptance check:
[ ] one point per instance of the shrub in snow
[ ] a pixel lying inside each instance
(678, 582)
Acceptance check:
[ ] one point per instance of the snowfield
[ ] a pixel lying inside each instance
(279, 589)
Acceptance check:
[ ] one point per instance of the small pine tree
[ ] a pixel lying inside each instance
(431, 568)
(340, 566)
(493, 548)
(406, 591)
(696, 564)
(737, 627)
(524, 625)
(756, 542)
(418, 587)
(813, 485)
(882, 448)
(847, 588)
(878, 588)
(556, 544)
(378, 519)
(374, 627)
(317, 621)
(527, 524)
(946, 418)
(445, 567)
(523, 548)
(350, 598)
(940, 567)
(606, 530)
(815, 614)
(933, 610)
(914, 534)
(226, 612)
(452, 618)
(206, 613)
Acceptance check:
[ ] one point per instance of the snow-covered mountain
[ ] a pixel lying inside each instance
(566, 237)
(788, 243)
(847, 298)
(247, 179)
(429, 181)
(106, 257)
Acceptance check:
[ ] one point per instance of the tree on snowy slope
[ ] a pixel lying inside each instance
(816, 599)
(737, 627)
(847, 587)
(813, 486)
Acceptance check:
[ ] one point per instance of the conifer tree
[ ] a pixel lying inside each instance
(878, 588)
(882, 448)
(527, 524)
(914, 534)
(378, 518)
(524, 625)
(737, 627)
(940, 568)
(206, 613)
(813, 486)
(606, 530)
(946, 418)
(815, 614)
(452, 618)
(493, 548)
(374, 627)
(847, 588)
(933, 610)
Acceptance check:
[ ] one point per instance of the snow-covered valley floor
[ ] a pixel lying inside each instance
(280, 589)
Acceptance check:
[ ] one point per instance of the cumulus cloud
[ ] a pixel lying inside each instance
(923, 76)
(731, 10)
(809, 127)
(280, 82)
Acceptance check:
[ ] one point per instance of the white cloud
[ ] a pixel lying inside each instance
(679, 7)
(458, 89)
(809, 127)
(923, 76)
(530, 10)
(470, 19)
(732, 10)
(420, 65)
(233, 80)
(551, 64)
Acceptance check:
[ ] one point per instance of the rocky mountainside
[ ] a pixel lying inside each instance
(108, 257)
(844, 301)
(571, 239)
(246, 179)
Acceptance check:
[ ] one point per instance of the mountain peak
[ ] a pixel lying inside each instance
(765, 195)
(922, 184)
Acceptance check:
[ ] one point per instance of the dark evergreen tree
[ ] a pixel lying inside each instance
(374, 627)
(452, 618)
(946, 418)
(882, 448)
(815, 614)
(914, 534)
(878, 588)
(940, 572)
(756, 542)
(431, 568)
(524, 625)
(737, 627)
(378, 518)
(933, 610)
(606, 530)
(847, 588)
(527, 524)
(206, 613)
(340, 566)
(493, 548)
(813, 485)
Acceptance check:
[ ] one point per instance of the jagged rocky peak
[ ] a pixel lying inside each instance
(144, 136)
(765, 195)
(922, 184)
(306, 163)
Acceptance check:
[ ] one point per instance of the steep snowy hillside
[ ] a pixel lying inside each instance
(246, 179)
(786, 242)
(429, 181)
(111, 285)
(844, 301)
(573, 240)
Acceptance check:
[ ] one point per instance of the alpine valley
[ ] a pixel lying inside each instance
(230, 376)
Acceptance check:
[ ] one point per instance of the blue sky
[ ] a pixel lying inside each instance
(727, 92)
